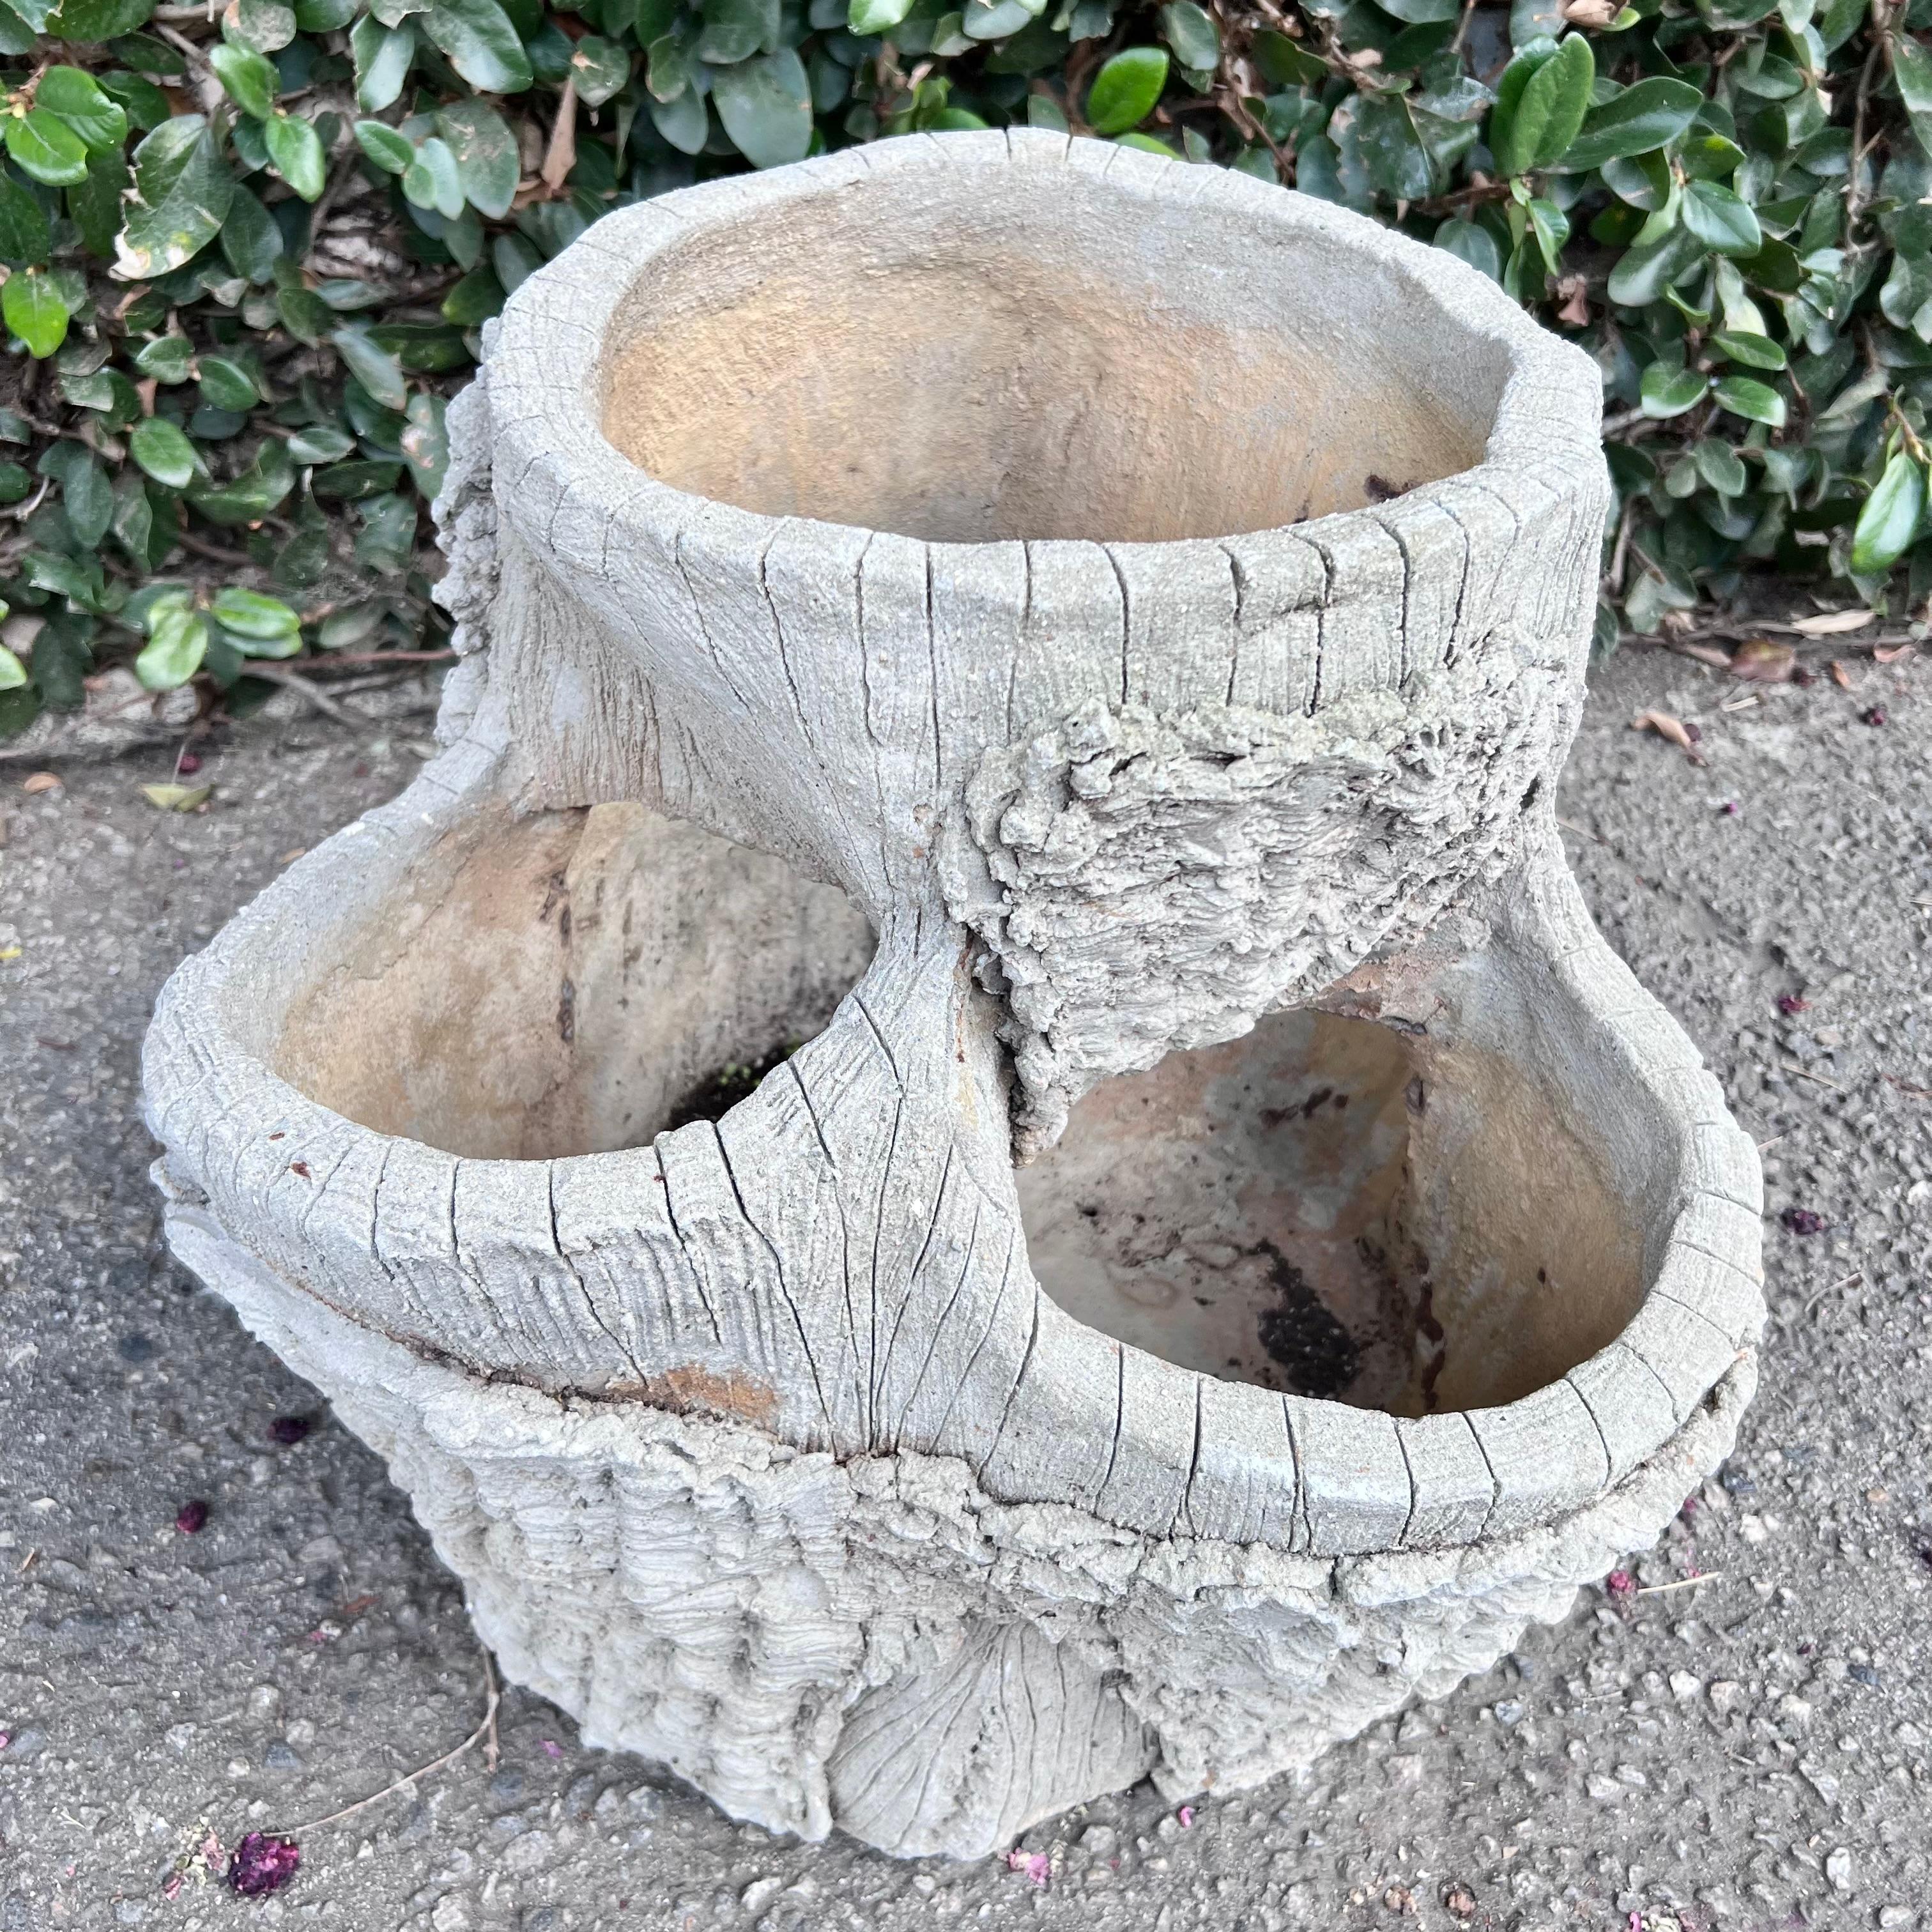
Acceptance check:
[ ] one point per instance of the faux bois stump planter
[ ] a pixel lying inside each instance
(1052, 656)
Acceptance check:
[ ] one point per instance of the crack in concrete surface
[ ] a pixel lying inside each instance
(1734, 1751)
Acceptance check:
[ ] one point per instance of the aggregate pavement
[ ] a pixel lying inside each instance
(1744, 1741)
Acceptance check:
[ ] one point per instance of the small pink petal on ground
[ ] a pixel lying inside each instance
(192, 1517)
(262, 1864)
(1621, 1583)
(1185, 1815)
(1036, 1866)
(552, 1748)
(1803, 1221)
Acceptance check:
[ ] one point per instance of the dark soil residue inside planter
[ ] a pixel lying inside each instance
(717, 1094)
(1317, 1354)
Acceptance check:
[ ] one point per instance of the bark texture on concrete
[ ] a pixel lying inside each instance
(761, 1443)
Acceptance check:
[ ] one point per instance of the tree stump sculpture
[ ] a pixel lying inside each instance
(1047, 668)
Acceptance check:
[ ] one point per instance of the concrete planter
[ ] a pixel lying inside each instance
(1084, 644)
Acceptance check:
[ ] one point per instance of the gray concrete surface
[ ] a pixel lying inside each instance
(1751, 1751)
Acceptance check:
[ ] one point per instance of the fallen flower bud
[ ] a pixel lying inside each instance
(1875, 715)
(1803, 1221)
(192, 1517)
(262, 1864)
(1621, 1583)
(1793, 1002)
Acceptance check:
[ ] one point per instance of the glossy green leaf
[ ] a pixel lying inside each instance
(42, 145)
(600, 67)
(476, 298)
(372, 366)
(734, 30)
(268, 26)
(485, 153)
(1720, 219)
(297, 151)
(24, 235)
(1470, 242)
(226, 384)
(76, 98)
(1389, 149)
(95, 204)
(319, 443)
(425, 444)
(1669, 390)
(249, 615)
(1286, 62)
(86, 496)
(160, 448)
(1643, 273)
(479, 42)
(1912, 69)
(177, 644)
(86, 22)
(34, 311)
(1125, 90)
(182, 191)
(1647, 116)
(167, 359)
(1745, 396)
(431, 179)
(382, 58)
(1754, 351)
(1720, 466)
(391, 151)
(250, 79)
(1191, 32)
(1890, 519)
(1539, 112)
(1551, 227)
(765, 105)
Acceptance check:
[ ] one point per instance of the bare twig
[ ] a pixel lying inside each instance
(1759, 627)
(1852, 174)
(195, 58)
(213, 552)
(1830, 1288)
(356, 660)
(1805, 1073)
(21, 512)
(484, 1734)
(1682, 1583)
(319, 216)
(275, 673)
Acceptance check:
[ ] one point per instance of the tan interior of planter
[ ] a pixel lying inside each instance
(1333, 1208)
(1048, 357)
(560, 984)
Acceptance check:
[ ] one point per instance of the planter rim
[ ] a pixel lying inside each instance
(555, 465)
(1359, 1480)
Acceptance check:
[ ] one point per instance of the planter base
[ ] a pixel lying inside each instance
(879, 1644)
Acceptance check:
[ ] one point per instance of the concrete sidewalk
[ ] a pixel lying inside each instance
(1751, 1751)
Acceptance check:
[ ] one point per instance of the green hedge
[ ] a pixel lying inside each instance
(247, 257)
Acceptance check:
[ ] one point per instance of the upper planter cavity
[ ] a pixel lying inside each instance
(1075, 363)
